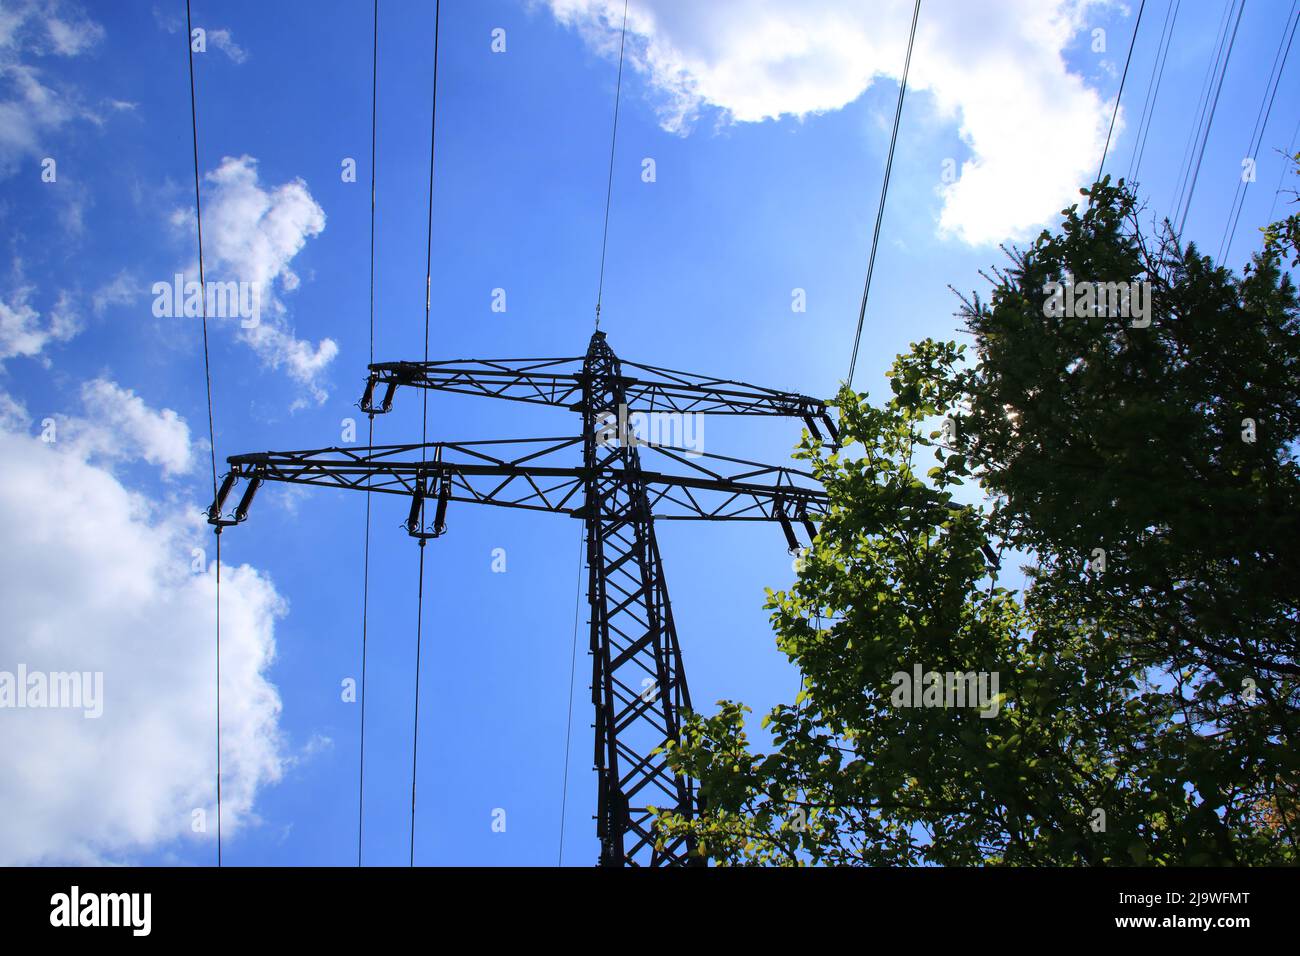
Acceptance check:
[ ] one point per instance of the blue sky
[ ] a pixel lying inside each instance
(768, 164)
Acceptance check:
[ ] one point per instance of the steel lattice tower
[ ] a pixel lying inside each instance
(638, 685)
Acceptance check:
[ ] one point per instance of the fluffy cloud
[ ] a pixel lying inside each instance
(23, 331)
(98, 578)
(252, 234)
(1033, 128)
(122, 290)
(31, 110)
(224, 41)
(119, 426)
(256, 232)
(220, 38)
(70, 38)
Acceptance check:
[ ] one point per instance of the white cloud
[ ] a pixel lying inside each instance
(305, 362)
(97, 578)
(224, 41)
(1034, 129)
(22, 331)
(48, 27)
(31, 110)
(13, 413)
(123, 289)
(256, 232)
(76, 199)
(72, 38)
(167, 19)
(119, 426)
(252, 234)
(220, 38)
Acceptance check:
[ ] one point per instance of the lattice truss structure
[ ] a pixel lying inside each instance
(638, 682)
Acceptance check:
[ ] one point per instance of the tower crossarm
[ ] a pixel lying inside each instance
(533, 474)
(545, 381)
(647, 389)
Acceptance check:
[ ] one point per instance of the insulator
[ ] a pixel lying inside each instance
(812, 426)
(241, 510)
(387, 405)
(219, 503)
(791, 541)
(830, 427)
(440, 515)
(368, 396)
(417, 503)
(807, 523)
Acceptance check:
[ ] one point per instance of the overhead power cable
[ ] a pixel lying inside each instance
(884, 192)
(609, 185)
(1257, 133)
(1202, 102)
(424, 424)
(1281, 177)
(1118, 96)
(207, 375)
(365, 574)
(1153, 88)
(1209, 123)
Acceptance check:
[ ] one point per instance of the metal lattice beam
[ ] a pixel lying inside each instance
(527, 473)
(559, 382)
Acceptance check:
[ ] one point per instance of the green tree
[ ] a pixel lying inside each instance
(1282, 238)
(1147, 671)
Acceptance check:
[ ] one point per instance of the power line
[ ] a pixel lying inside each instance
(424, 423)
(207, 375)
(1153, 93)
(573, 667)
(1214, 106)
(1257, 134)
(1290, 151)
(365, 575)
(415, 740)
(1202, 101)
(609, 185)
(884, 191)
(1152, 86)
(1124, 76)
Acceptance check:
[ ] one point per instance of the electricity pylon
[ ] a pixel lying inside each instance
(638, 682)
